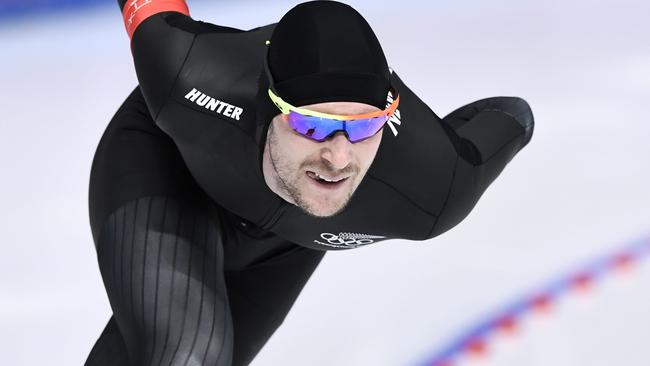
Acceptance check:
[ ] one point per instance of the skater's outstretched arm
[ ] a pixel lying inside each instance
(493, 130)
(487, 134)
(457, 157)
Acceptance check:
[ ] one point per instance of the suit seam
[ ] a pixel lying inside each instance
(444, 205)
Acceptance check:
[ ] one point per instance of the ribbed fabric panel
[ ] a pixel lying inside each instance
(165, 250)
(162, 265)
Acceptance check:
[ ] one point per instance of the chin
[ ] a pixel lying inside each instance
(324, 214)
(317, 209)
(322, 204)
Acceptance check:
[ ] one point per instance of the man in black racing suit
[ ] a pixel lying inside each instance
(204, 235)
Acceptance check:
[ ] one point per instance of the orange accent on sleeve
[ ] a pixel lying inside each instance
(136, 11)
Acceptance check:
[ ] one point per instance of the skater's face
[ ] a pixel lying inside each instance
(298, 169)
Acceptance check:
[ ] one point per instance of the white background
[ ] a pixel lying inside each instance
(578, 190)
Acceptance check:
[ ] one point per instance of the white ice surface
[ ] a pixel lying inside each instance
(579, 189)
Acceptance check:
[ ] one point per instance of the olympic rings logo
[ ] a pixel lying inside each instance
(347, 240)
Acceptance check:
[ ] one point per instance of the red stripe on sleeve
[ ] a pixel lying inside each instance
(136, 11)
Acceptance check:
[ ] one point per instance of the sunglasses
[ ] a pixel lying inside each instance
(320, 126)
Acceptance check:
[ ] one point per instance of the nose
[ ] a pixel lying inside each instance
(337, 151)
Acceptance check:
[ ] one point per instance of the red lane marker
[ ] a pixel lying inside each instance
(476, 347)
(542, 303)
(507, 325)
(623, 262)
(582, 282)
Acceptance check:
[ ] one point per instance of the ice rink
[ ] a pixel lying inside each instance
(578, 191)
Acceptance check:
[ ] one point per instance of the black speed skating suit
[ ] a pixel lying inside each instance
(200, 259)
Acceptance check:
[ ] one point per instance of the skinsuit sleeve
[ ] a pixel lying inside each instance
(158, 47)
(162, 34)
(491, 132)
(487, 134)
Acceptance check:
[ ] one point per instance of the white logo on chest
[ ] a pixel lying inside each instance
(347, 240)
(217, 106)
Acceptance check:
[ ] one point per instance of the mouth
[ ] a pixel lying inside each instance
(325, 181)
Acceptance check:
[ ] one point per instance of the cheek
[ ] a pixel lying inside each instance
(292, 149)
(367, 150)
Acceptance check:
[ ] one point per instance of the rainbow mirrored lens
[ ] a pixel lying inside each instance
(361, 129)
(319, 128)
(316, 128)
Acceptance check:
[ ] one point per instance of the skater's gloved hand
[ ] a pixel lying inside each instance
(490, 123)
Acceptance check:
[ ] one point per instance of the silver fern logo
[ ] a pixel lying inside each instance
(348, 240)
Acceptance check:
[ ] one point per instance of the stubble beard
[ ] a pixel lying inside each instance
(288, 186)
